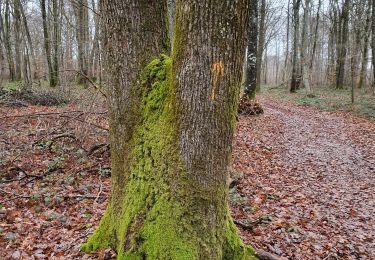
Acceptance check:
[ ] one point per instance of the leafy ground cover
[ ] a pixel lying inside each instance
(328, 99)
(304, 181)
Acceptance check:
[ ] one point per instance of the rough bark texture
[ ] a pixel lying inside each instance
(251, 55)
(172, 123)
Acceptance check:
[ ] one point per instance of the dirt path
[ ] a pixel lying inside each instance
(312, 174)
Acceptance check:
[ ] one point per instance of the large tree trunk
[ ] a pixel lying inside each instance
(172, 125)
(251, 55)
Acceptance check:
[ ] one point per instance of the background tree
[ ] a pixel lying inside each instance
(261, 41)
(342, 40)
(295, 74)
(305, 36)
(251, 53)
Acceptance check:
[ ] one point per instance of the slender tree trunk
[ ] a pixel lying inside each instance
(251, 55)
(47, 46)
(304, 61)
(7, 41)
(17, 41)
(315, 35)
(2, 55)
(367, 31)
(261, 42)
(82, 36)
(295, 75)
(373, 43)
(287, 43)
(56, 42)
(172, 125)
(29, 41)
(342, 53)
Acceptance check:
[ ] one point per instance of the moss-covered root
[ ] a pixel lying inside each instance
(161, 240)
(102, 237)
(235, 249)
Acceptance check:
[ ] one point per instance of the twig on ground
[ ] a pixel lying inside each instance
(54, 113)
(65, 135)
(263, 255)
(100, 191)
(97, 147)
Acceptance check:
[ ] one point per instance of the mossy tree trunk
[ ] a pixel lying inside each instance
(172, 122)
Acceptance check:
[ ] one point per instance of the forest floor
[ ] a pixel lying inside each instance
(305, 181)
(308, 182)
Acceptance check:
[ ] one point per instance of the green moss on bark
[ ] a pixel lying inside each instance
(155, 220)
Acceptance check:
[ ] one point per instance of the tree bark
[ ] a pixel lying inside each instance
(294, 84)
(17, 41)
(305, 35)
(56, 42)
(29, 41)
(47, 46)
(261, 42)
(373, 42)
(366, 36)
(7, 43)
(2, 56)
(342, 48)
(251, 55)
(82, 37)
(172, 125)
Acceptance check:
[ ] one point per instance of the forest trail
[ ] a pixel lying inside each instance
(314, 176)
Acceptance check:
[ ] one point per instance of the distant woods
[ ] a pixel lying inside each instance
(312, 43)
(302, 44)
(52, 40)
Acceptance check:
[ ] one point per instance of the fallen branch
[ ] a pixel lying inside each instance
(97, 147)
(65, 135)
(263, 255)
(54, 113)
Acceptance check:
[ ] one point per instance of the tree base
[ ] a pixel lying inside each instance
(248, 106)
(179, 247)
